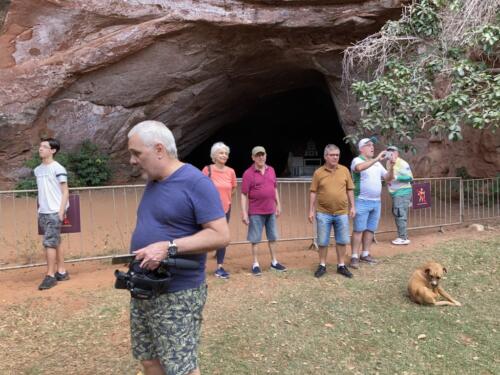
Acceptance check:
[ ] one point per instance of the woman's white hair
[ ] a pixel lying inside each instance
(154, 132)
(216, 148)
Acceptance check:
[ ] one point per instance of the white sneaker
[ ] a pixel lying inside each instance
(400, 241)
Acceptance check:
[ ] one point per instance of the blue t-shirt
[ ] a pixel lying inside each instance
(175, 208)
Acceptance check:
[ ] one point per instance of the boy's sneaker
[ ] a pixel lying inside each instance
(62, 276)
(368, 259)
(256, 271)
(221, 272)
(344, 271)
(320, 271)
(278, 267)
(354, 263)
(47, 283)
(400, 241)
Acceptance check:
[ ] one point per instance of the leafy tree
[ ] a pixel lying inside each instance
(4, 7)
(433, 70)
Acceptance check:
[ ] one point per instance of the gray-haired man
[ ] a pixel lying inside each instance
(180, 215)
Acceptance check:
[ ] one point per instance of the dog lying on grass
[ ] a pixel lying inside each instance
(424, 288)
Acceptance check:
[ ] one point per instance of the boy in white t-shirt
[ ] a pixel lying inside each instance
(53, 193)
(367, 174)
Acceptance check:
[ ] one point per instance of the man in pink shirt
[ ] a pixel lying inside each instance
(260, 206)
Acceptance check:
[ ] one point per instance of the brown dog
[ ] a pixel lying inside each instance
(424, 288)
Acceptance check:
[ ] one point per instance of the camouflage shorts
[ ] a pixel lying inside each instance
(167, 328)
(51, 225)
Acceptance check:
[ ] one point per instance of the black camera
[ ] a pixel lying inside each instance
(142, 283)
(146, 284)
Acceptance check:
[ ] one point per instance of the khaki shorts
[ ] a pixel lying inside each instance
(168, 328)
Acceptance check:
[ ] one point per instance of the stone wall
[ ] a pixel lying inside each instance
(91, 69)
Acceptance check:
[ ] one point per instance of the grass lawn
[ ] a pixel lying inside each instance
(287, 323)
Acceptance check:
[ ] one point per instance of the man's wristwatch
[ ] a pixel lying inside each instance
(172, 249)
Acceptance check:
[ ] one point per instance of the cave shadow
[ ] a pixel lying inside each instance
(291, 121)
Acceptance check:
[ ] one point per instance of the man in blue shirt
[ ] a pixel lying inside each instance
(181, 215)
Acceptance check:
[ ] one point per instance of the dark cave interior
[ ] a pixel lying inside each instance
(300, 121)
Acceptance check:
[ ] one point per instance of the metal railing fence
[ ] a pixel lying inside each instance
(481, 198)
(107, 216)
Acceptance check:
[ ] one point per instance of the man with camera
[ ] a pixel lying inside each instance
(367, 175)
(180, 216)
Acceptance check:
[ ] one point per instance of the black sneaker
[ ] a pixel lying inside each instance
(278, 267)
(368, 259)
(221, 273)
(344, 271)
(320, 271)
(62, 276)
(47, 283)
(256, 271)
(355, 263)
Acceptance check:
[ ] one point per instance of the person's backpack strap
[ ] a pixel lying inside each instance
(209, 171)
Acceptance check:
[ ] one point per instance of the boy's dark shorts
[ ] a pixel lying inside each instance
(51, 225)
(168, 328)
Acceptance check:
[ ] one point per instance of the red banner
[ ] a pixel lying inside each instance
(71, 223)
(421, 195)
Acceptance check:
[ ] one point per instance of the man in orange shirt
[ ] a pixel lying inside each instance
(332, 202)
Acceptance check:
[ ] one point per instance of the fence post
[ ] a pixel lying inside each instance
(461, 204)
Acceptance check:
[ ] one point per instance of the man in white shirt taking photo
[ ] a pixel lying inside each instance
(367, 174)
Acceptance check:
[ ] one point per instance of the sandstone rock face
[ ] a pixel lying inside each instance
(478, 154)
(91, 69)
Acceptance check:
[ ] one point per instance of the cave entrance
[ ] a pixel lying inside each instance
(299, 122)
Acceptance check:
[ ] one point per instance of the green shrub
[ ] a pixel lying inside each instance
(28, 183)
(87, 166)
(91, 167)
(462, 172)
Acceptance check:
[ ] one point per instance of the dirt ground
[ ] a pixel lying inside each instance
(19, 285)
